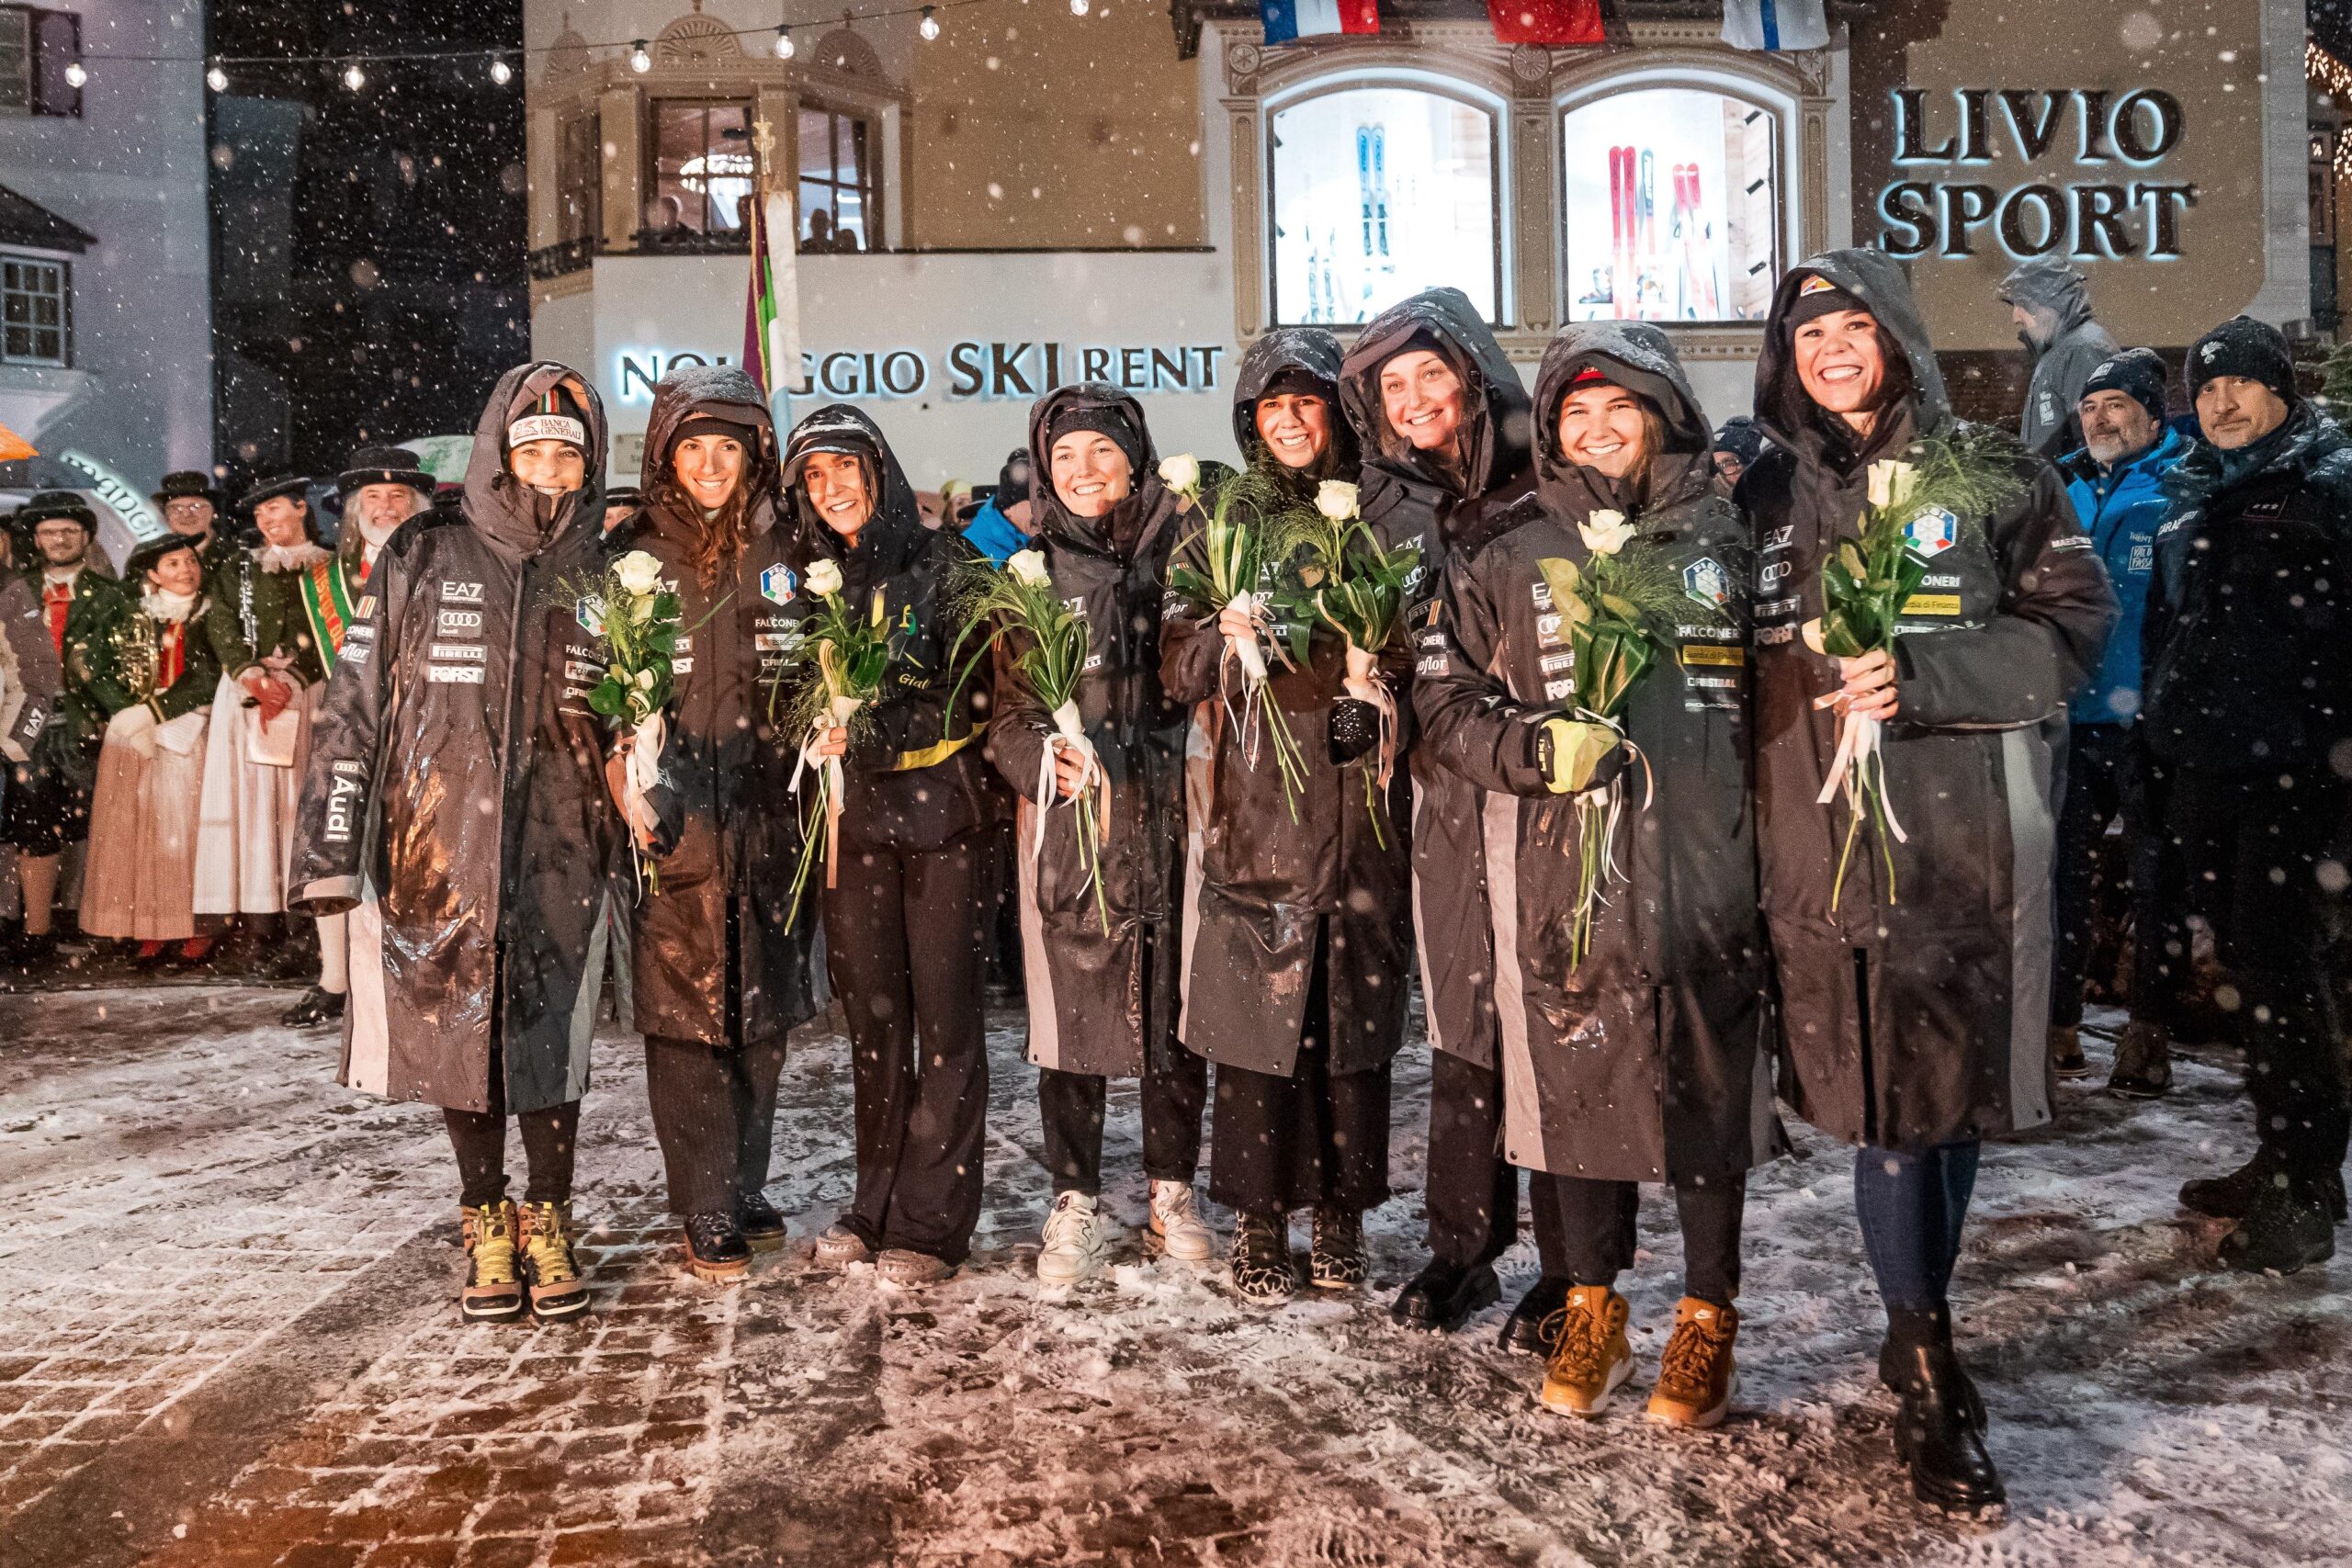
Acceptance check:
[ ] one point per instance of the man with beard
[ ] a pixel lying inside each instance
(2248, 714)
(48, 803)
(2049, 302)
(2117, 485)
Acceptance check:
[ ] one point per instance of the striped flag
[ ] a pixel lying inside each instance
(1547, 21)
(772, 300)
(1289, 20)
(1775, 25)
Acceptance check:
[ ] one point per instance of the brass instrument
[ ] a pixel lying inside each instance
(137, 640)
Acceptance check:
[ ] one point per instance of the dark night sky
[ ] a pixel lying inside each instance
(367, 247)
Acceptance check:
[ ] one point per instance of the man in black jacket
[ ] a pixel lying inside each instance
(2248, 717)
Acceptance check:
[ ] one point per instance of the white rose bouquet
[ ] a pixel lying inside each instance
(636, 621)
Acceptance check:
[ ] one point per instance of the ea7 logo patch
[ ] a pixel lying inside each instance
(1706, 580)
(1932, 532)
(778, 583)
(460, 592)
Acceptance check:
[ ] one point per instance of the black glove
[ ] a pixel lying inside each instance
(1355, 729)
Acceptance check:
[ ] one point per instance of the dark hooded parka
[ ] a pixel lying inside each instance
(1920, 1019)
(916, 778)
(1408, 497)
(2077, 346)
(1647, 1061)
(712, 960)
(1265, 884)
(456, 780)
(1099, 1003)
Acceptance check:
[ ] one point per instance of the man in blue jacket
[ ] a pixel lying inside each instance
(2116, 483)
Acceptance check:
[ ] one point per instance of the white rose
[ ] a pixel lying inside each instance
(645, 680)
(1335, 498)
(1892, 482)
(1181, 473)
(825, 579)
(639, 572)
(1028, 569)
(1605, 533)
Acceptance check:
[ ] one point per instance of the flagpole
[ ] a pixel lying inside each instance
(779, 377)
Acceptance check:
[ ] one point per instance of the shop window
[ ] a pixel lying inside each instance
(579, 176)
(1379, 193)
(1671, 200)
(36, 46)
(702, 166)
(838, 203)
(34, 323)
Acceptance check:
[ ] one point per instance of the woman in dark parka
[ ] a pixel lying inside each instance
(1645, 1059)
(1105, 1006)
(1912, 1029)
(1297, 928)
(718, 979)
(902, 916)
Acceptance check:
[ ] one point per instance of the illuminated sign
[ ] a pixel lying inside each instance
(970, 370)
(2110, 213)
(119, 494)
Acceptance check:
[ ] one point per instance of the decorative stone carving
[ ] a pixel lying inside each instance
(1530, 65)
(696, 39)
(1241, 64)
(844, 51)
(568, 56)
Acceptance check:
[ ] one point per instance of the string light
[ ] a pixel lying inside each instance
(75, 75)
(638, 61)
(2333, 77)
(1077, 8)
(217, 79)
(501, 73)
(783, 46)
(354, 77)
(929, 26)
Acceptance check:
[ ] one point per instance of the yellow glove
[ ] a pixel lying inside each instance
(1571, 753)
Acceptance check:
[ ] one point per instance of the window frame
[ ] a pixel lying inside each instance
(869, 192)
(579, 121)
(651, 118)
(1363, 79)
(63, 268)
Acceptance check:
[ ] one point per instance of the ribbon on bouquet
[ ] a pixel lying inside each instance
(1607, 802)
(1246, 652)
(1858, 746)
(1364, 684)
(1069, 735)
(640, 770)
(831, 779)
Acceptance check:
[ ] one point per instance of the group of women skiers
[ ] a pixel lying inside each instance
(1212, 907)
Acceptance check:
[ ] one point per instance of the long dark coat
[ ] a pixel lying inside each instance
(455, 779)
(1102, 1004)
(1924, 1020)
(711, 958)
(1408, 498)
(1647, 1061)
(1263, 884)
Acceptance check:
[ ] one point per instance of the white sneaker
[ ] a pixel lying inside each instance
(1074, 1246)
(1176, 1223)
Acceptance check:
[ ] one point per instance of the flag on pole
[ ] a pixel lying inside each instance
(1288, 21)
(1547, 21)
(15, 448)
(762, 305)
(1775, 25)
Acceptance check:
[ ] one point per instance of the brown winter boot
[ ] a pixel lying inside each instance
(494, 1290)
(557, 1290)
(1591, 1357)
(2066, 1059)
(2142, 1063)
(1696, 1376)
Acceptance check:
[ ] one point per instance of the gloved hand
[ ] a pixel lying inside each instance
(1575, 755)
(134, 727)
(1355, 729)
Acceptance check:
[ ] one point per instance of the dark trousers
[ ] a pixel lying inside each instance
(2107, 781)
(1314, 1139)
(1070, 1104)
(2252, 849)
(714, 1115)
(1471, 1194)
(1598, 1219)
(1913, 1205)
(903, 946)
(550, 1142)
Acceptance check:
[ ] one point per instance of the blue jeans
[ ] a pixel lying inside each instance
(1912, 1204)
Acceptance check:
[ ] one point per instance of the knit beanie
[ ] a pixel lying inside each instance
(2244, 346)
(1104, 421)
(1817, 297)
(2139, 372)
(554, 415)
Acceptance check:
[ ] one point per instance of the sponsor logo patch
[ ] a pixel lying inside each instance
(1813, 284)
(1547, 630)
(1931, 604)
(1556, 663)
(585, 614)
(365, 608)
(454, 675)
(1559, 690)
(575, 670)
(1713, 653)
(681, 666)
(2143, 559)
(458, 623)
(1542, 594)
(771, 642)
(1932, 532)
(472, 651)
(1773, 636)
(778, 583)
(1706, 580)
(460, 592)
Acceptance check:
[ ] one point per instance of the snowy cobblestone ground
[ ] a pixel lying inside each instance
(226, 1338)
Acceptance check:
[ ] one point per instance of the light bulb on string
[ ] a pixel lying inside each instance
(639, 60)
(784, 45)
(217, 79)
(929, 26)
(501, 73)
(74, 74)
(354, 77)
(1077, 8)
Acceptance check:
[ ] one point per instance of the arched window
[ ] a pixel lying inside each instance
(1672, 201)
(1380, 191)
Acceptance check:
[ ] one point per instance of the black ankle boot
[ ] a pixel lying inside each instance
(2286, 1227)
(1263, 1270)
(1442, 1295)
(1934, 1432)
(715, 1248)
(1525, 1328)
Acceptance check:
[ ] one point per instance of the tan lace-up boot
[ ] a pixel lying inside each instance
(1696, 1376)
(557, 1289)
(1590, 1357)
(494, 1289)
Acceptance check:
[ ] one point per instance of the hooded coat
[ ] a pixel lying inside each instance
(31, 675)
(1648, 1062)
(1263, 884)
(2049, 427)
(456, 785)
(916, 780)
(1924, 1020)
(1409, 499)
(1098, 1003)
(711, 959)
(2249, 613)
